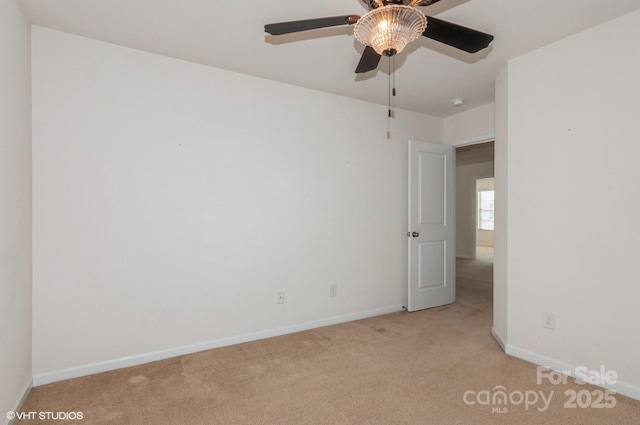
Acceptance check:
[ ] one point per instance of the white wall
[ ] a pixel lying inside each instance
(172, 201)
(573, 130)
(470, 126)
(15, 214)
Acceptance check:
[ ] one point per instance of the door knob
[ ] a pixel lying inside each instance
(414, 234)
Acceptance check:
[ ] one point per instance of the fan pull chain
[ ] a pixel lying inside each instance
(391, 87)
(394, 75)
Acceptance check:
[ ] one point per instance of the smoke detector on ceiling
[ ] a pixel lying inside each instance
(458, 101)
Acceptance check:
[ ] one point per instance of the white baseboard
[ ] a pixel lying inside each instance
(498, 339)
(17, 406)
(626, 389)
(90, 369)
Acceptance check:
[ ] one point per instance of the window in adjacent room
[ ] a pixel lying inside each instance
(485, 209)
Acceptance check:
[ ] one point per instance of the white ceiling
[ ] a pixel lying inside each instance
(230, 35)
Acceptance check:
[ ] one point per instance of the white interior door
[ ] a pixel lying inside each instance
(431, 232)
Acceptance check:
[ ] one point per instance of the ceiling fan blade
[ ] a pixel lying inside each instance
(310, 24)
(369, 60)
(421, 2)
(457, 36)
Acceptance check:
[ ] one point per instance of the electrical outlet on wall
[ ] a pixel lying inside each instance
(548, 320)
(333, 290)
(281, 297)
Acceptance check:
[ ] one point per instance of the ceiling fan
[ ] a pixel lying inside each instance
(388, 27)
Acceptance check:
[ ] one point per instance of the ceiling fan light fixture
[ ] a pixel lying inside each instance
(390, 28)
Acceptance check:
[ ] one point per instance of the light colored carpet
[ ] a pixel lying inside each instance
(401, 368)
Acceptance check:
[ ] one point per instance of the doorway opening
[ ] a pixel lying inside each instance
(474, 224)
(474, 170)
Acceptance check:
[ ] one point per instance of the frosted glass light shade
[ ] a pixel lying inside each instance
(390, 28)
